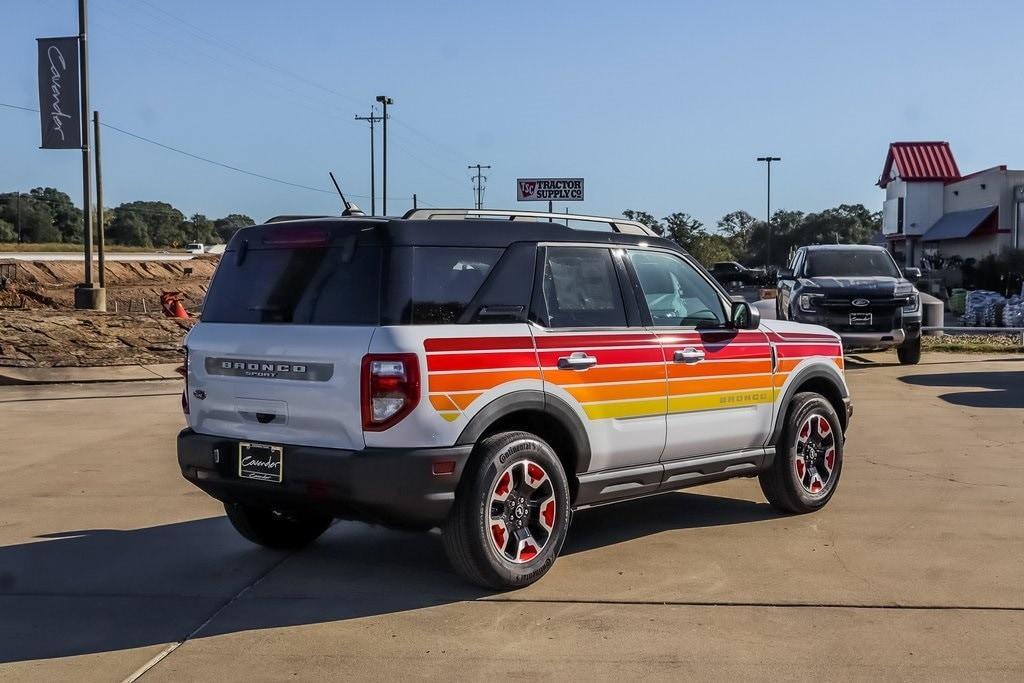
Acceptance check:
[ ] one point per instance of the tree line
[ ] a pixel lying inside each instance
(738, 236)
(45, 214)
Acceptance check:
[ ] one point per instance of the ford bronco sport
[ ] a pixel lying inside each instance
(490, 373)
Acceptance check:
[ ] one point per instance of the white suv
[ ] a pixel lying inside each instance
(489, 373)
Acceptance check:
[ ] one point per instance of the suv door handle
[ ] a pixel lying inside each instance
(688, 355)
(578, 360)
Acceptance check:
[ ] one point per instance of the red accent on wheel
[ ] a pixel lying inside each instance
(535, 472)
(815, 486)
(528, 552)
(549, 514)
(800, 468)
(805, 431)
(830, 459)
(823, 426)
(499, 536)
(504, 484)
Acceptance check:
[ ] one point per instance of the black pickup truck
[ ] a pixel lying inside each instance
(857, 291)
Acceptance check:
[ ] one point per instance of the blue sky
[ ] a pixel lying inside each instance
(661, 106)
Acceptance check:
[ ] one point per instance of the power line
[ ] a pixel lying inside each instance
(479, 186)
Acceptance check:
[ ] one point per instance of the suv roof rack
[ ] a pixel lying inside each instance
(620, 225)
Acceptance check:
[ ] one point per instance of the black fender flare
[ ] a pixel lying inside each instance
(537, 401)
(828, 372)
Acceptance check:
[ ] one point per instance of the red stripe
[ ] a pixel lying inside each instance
(549, 359)
(564, 341)
(800, 336)
(482, 361)
(797, 350)
(477, 343)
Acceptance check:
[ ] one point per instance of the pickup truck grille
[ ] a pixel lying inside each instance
(885, 314)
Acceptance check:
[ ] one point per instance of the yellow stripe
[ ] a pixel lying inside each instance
(621, 409)
(450, 417)
(730, 399)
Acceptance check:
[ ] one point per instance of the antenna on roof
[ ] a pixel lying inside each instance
(350, 208)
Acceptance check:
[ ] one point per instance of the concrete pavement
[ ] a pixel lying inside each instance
(111, 565)
(80, 256)
(88, 375)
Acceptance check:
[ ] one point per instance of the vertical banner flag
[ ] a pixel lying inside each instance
(59, 109)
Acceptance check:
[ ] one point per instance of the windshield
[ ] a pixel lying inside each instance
(850, 263)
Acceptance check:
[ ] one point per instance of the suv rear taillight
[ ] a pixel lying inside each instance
(390, 388)
(183, 371)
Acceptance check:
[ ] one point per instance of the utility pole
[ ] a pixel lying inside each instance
(768, 160)
(20, 238)
(478, 186)
(385, 101)
(99, 200)
(372, 118)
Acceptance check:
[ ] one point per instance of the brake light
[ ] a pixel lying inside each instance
(183, 371)
(296, 236)
(390, 389)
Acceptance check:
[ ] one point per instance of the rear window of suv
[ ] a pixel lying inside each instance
(336, 285)
(445, 280)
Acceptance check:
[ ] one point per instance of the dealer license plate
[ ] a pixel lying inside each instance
(860, 318)
(261, 462)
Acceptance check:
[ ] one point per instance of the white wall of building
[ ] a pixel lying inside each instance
(922, 207)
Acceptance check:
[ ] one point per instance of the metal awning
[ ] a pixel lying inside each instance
(958, 224)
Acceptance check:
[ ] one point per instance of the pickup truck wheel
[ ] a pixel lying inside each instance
(909, 352)
(808, 457)
(275, 528)
(511, 513)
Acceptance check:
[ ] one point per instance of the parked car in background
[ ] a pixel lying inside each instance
(195, 248)
(731, 274)
(857, 291)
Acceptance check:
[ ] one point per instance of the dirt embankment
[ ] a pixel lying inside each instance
(131, 285)
(40, 328)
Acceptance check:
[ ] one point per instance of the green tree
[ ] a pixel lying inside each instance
(683, 229)
(36, 218)
(7, 232)
(199, 228)
(129, 227)
(644, 218)
(737, 227)
(67, 217)
(226, 227)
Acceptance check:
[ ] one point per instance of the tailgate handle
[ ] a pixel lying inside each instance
(265, 418)
(688, 355)
(578, 360)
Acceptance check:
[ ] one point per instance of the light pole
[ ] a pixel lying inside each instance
(768, 160)
(385, 101)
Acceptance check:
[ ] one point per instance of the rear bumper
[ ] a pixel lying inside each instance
(396, 487)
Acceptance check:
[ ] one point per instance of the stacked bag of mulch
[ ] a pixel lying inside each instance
(1013, 312)
(984, 309)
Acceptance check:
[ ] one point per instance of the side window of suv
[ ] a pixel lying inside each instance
(581, 288)
(675, 292)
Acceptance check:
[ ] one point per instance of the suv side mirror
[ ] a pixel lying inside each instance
(744, 316)
(785, 274)
(911, 273)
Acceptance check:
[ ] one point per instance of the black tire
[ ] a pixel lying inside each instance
(276, 529)
(909, 352)
(473, 533)
(788, 486)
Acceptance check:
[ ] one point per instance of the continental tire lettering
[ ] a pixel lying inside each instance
(514, 448)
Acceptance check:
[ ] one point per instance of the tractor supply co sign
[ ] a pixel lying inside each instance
(549, 189)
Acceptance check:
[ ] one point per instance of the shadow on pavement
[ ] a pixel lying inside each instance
(101, 590)
(991, 389)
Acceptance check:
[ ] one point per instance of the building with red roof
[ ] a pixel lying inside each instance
(930, 207)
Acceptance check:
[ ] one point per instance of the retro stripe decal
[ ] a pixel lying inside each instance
(635, 375)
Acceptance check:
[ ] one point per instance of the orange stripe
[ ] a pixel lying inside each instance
(442, 402)
(606, 374)
(703, 386)
(463, 400)
(485, 379)
(617, 392)
(718, 369)
(787, 364)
